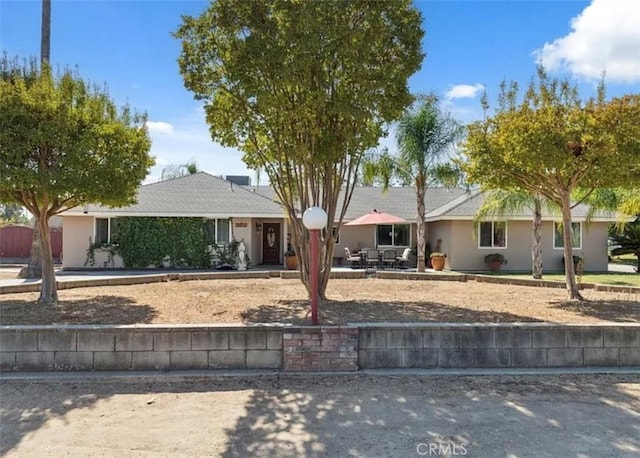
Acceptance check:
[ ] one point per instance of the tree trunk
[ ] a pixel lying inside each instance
(536, 249)
(569, 269)
(420, 229)
(33, 269)
(45, 38)
(48, 290)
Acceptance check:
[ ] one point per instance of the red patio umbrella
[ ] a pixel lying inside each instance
(376, 217)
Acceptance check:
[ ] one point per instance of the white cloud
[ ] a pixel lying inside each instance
(464, 91)
(159, 127)
(604, 37)
(187, 139)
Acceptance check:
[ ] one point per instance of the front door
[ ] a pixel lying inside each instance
(271, 243)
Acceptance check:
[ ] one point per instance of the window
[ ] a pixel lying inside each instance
(493, 234)
(222, 233)
(393, 234)
(105, 230)
(558, 238)
(218, 231)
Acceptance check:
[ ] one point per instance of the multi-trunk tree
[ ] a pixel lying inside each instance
(64, 143)
(303, 89)
(551, 143)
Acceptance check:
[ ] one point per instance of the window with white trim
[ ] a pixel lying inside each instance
(104, 230)
(576, 236)
(218, 231)
(492, 234)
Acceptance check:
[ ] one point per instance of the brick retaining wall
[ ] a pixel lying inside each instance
(325, 348)
(320, 349)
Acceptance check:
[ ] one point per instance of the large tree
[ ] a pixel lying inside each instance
(426, 136)
(303, 89)
(551, 143)
(64, 143)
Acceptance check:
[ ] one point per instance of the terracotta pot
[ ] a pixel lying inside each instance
(437, 262)
(495, 266)
(291, 262)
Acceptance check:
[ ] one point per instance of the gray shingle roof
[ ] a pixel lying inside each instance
(467, 207)
(200, 194)
(396, 201)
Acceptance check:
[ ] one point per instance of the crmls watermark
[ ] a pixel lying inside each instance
(438, 449)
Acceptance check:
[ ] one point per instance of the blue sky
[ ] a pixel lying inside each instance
(470, 45)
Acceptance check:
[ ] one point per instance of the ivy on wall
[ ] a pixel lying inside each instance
(152, 241)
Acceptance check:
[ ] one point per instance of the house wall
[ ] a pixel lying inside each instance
(77, 236)
(442, 230)
(465, 254)
(359, 237)
(355, 238)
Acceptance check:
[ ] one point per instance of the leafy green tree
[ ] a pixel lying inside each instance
(625, 201)
(551, 143)
(177, 171)
(64, 143)
(500, 203)
(303, 89)
(628, 242)
(425, 136)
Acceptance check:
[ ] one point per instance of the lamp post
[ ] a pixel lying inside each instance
(314, 219)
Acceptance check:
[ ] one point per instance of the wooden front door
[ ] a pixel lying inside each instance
(271, 243)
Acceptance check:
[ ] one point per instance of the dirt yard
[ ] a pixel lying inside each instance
(350, 301)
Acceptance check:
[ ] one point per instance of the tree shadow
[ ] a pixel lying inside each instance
(106, 309)
(610, 310)
(342, 312)
(343, 415)
(478, 416)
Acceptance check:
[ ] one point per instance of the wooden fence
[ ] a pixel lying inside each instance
(15, 242)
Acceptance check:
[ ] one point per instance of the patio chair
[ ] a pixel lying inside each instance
(373, 258)
(389, 258)
(354, 260)
(404, 259)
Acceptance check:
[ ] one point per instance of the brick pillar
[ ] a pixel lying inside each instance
(312, 349)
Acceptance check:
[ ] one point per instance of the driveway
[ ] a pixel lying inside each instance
(355, 415)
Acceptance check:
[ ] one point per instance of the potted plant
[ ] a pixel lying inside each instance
(495, 261)
(291, 260)
(437, 260)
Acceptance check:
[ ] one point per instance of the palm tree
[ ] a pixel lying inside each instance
(425, 136)
(33, 269)
(628, 242)
(177, 171)
(45, 38)
(502, 202)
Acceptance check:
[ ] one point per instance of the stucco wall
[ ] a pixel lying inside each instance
(442, 230)
(77, 235)
(465, 254)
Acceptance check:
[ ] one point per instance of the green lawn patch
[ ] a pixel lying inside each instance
(613, 278)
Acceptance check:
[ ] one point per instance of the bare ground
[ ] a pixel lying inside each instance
(285, 301)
